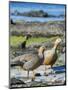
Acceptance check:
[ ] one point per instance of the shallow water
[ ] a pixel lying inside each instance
(36, 19)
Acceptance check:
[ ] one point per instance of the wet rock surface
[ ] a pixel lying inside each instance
(19, 77)
(35, 29)
(38, 74)
(15, 81)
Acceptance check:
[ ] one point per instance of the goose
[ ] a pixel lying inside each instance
(23, 44)
(50, 56)
(12, 22)
(29, 62)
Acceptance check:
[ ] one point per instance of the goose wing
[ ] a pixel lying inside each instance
(49, 57)
(32, 63)
(21, 60)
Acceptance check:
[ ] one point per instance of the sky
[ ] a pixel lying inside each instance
(53, 9)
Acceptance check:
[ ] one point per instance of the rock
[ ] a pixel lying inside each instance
(49, 71)
(15, 81)
(48, 29)
(37, 74)
(28, 81)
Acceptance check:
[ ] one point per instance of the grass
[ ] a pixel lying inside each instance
(16, 40)
(38, 40)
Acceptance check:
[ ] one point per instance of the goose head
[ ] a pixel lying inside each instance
(26, 37)
(41, 50)
(58, 40)
(41, 53)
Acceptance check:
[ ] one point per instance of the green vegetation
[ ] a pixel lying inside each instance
(16, 40)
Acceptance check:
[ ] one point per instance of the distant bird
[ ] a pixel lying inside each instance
(11, 21)
(50, 56)
(23, 44)
(29, 62)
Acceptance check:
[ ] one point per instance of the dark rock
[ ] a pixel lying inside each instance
(15, 81)
(37, 74)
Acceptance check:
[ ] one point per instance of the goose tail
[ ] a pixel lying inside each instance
(16, 63)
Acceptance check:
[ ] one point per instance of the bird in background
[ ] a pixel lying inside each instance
(23, 44)
(12, 22)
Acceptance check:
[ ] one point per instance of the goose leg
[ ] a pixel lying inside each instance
(45, 67)
(27, 74)
(48, 67)
(33, 77)
(48, 70)
(51, 70)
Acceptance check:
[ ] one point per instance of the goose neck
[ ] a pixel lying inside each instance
(55, 46)
(41, 57)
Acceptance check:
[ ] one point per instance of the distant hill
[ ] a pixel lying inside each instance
(35, 13)
(39, 13)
